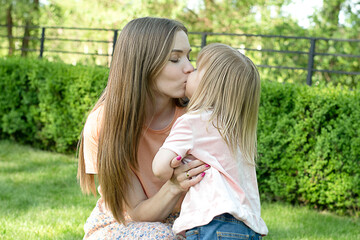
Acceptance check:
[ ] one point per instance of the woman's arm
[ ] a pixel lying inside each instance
(161, 164)
(159, 206)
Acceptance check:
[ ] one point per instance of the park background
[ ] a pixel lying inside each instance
(308, 137)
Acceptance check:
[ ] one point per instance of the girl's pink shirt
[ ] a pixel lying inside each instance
(149, 145)
(229, 186)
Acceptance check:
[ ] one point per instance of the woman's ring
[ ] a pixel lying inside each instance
(187, 174)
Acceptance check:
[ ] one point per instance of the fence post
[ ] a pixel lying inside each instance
(114, 41)
(42, 42)
(203, 40)
(310, 61)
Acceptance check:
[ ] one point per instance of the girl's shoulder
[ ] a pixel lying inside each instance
(200, 113)
(197, 115)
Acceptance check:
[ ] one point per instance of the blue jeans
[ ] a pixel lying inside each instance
(224, 226)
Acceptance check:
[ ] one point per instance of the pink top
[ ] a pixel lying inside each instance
(229, 186)
(150, 142)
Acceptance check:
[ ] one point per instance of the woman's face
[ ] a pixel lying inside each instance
(172, 78)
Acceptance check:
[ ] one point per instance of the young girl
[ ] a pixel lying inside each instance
(220, 129)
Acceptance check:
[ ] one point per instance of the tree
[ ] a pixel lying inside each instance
(326, 23)
(31, 19)
(212, 16)
(9, 23)
(20, 13)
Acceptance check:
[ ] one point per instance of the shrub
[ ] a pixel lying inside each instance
(308, 137)
(308, 145)
(44, 103)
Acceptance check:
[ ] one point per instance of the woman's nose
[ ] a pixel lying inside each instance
(188, 67)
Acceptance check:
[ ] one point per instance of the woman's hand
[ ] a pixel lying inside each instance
(168, 198)
(188, 174)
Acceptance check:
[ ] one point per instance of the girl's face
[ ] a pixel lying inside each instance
(193, 81)
(172, 78)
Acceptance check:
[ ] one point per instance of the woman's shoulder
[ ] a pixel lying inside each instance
(93, 121)
(95, 115)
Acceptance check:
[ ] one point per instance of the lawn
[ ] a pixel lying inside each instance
(40, 199)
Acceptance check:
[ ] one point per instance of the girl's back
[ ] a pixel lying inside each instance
(230, 185)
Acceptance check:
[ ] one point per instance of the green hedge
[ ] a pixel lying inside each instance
(309, 146)
(308, 137)
(44, 104)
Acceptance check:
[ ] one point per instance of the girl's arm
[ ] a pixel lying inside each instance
(159, 206)
(161, 164)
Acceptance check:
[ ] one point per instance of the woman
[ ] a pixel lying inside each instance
(125, 129)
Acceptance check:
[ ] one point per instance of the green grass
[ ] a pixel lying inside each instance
(40, 199)
(288, 222)
(39, 195)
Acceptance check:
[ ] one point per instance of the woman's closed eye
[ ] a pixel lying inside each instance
(174, 60)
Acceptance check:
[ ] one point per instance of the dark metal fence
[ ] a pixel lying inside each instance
(311, 52)
(112, 35)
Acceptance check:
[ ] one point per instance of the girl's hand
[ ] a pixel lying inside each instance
(188, 174)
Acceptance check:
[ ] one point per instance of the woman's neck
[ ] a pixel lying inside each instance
(160, 114)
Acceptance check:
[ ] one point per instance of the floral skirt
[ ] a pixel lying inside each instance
(102, 225)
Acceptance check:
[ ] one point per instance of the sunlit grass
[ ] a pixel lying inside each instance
(39, 195)
(40, 199)
(288, 222)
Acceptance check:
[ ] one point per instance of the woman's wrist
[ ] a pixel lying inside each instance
(174, 188)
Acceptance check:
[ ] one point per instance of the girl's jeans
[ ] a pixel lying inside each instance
(224, 227)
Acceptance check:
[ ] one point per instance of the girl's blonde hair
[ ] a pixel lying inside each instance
(230, 88)
(142, 50)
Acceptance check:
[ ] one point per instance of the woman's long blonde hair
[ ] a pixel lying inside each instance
(230, 88)
(142, 50)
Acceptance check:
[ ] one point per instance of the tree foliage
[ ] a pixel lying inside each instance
(213, 16)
